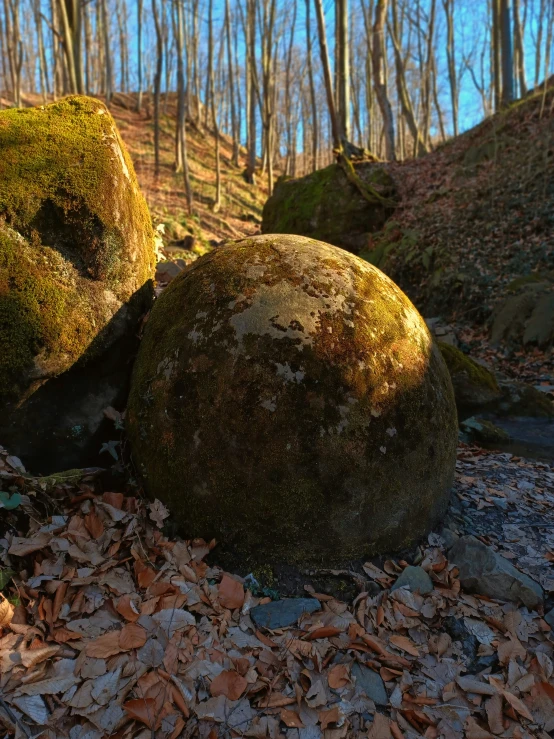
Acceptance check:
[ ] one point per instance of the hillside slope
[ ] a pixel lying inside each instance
(475, 214)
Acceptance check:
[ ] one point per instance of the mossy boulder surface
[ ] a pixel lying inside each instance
(76, 240)
(326, 205)
(288, 400)
(526, 315)
(474, 385)
(76, 267)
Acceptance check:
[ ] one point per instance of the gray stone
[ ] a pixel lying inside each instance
(486, 572)
(167, 271)
(371, 684)
(416, 579)
(282, 613)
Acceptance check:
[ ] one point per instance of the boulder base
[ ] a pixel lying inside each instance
(289, 401)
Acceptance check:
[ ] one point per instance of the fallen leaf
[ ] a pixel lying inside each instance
(104, 646)
(6, 611)
(291, 719)
(228, 683)
(338, 676)
(143, 710)
(405, 644)
(132, 636)
(328, 717)
(323, 632)
(231, 592)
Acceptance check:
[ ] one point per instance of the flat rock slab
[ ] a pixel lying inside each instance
(282, 613)
(486, 572)
(370, 683)
(416, 579)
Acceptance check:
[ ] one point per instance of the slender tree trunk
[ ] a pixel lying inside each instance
(451, 58)
(507, 54)
(402, 88)
(496, 46)
(311, 82)
(378, 61)
(343, 64)
(251, 22)
(140, 5)
(108, 75)
(335, 124)
(234, 129)
(157, 87)
(519, 65)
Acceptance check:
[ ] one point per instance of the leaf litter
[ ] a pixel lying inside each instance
(110, 629)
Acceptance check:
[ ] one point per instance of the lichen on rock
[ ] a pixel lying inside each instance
(289, 400)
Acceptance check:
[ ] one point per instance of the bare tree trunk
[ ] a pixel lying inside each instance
(451, 58)
(343, 65)
(140, 5)
(315, 139)
(378, 57)
(507, 56)
(402, 88)
(252, 84)
(14, 47)
(108, 76)
(496, 45)
(335, 125)
(234, 128)
(519, 64)
(157, 87)
(538, 68)
(43, 63)
(217, 199)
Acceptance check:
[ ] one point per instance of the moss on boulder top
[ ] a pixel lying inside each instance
(474, 385)
(289, 400)
(76, 240)
(326, 205)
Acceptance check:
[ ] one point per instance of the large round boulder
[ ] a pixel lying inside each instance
(76, 267)
(288, 400)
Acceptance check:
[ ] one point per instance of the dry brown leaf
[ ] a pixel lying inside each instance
(94, 524)
(323, 632)
(6, 611)
(143, 710)
(474, 731)
(128, 606)
(22, 547)
(380, 727)
(132, 636)
(231, 592)
(276, 700)
(114, 499)
(291, 719)
(32, 657)
(328, 717)
(230, 684)
(104, 646)
(338, 676)
(493, 708)
(517, 705)
(402, 642)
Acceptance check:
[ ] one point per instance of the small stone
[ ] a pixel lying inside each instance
(486, 572)
(449, 537)
(370, 683)
(282, 613)
(416, 579)
(167, 271)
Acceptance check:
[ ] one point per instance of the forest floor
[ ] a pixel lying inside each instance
(114, 627)
(121, 631)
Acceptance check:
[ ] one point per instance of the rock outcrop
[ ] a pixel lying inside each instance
(326, 205)
(526, 315)
(289, 401)
(76, 262)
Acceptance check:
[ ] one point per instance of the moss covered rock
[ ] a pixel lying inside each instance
(289, 400)
(326, 205)
(474, 385)
(76, 247)
(526, 315)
